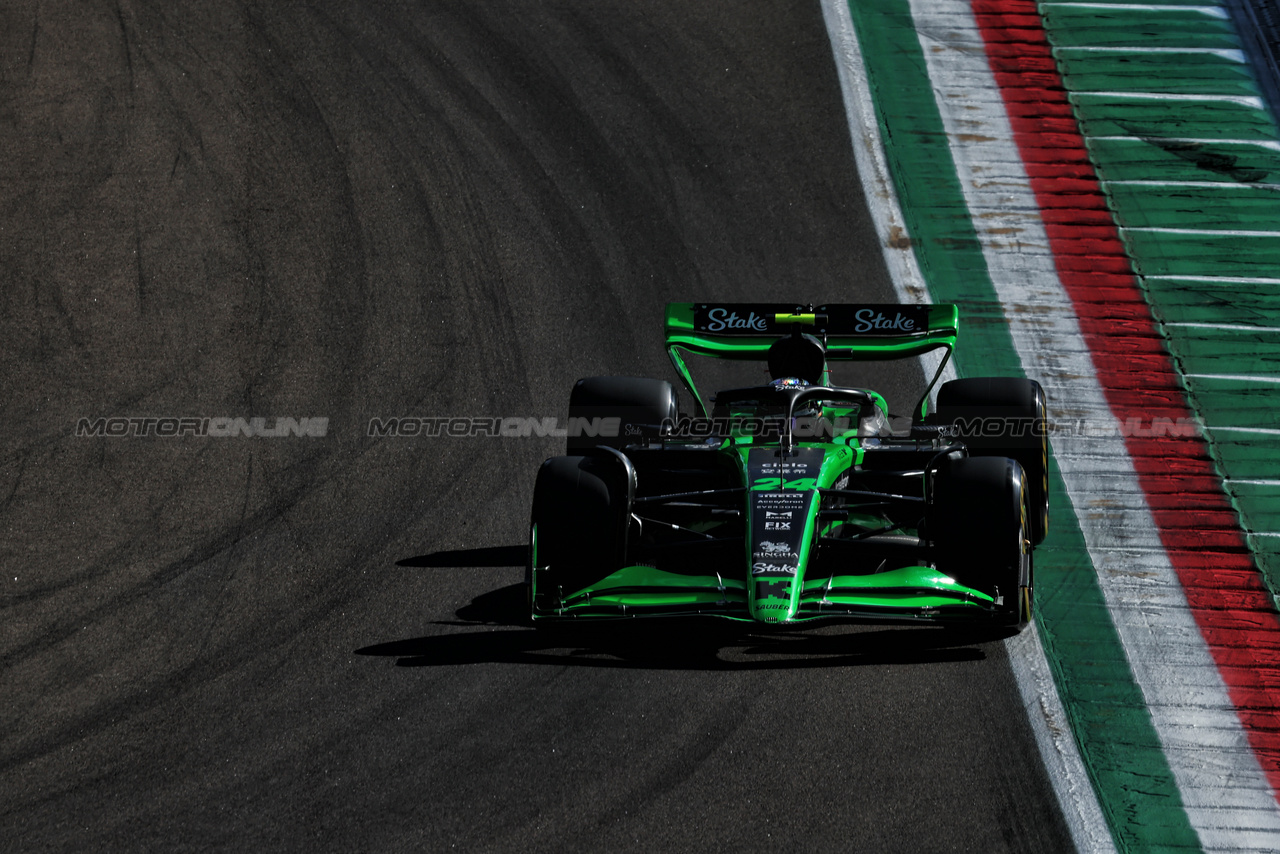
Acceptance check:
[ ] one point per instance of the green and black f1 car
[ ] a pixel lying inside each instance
(794, 500)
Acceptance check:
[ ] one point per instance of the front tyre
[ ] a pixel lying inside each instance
(578, 528)
(1003, 417)
(979, 523)
(617, 411)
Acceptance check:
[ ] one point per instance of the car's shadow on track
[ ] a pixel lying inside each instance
(687, 644)
(489, 556)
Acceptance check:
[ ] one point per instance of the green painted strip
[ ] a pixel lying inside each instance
(1185, 300)
(1225, 401)
(1265, 548)
(1226, 206)
(1069, 26)
(1260, 456)
(1048, 4)
(1171, 253)
(1203, 74)
(1171, 117)
(1224, 363)
(1089, 23)
(1190, 158)
(1266, 517)
(1107, 710)
(1199, 347)
(1194, 60)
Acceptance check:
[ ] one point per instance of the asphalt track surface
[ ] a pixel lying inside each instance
(378, 210)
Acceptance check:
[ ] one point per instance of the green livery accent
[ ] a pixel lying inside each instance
(909, 593)
(797, 318)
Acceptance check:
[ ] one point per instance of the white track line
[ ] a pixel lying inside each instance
(1224, 52)
(1269, 144)
(1215, 280)
(1249, 378)
(1198, 185)
(1225, 327)
(1251, 101)
(1209, 232)
(1262, 431)
(1208, 11)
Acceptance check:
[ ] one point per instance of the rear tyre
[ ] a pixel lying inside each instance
(979, 524)
(635, 402)
(1003, 417)
(578, 528)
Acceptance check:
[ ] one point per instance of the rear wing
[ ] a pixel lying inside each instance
(850, 332)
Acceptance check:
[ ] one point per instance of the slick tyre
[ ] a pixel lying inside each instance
(635, 402)
(979, 523)
(1003, 417)
(578, 528)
